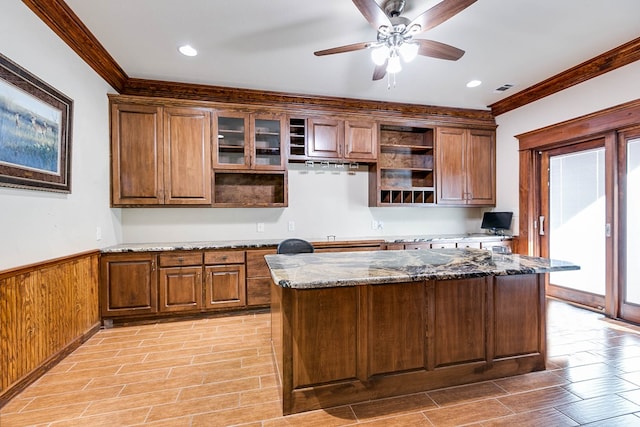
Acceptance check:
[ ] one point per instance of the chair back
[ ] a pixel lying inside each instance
(295, 246)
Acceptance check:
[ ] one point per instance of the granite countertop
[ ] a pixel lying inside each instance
(256, 244)
(318, 270)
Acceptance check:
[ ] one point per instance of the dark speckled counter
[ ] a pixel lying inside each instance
(319, 270)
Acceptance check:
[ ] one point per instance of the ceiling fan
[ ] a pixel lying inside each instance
(395, 34)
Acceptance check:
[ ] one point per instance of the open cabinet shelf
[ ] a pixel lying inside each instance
(405, 172)
(249, 189)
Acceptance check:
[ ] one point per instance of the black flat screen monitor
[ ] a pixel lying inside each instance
(497, 221)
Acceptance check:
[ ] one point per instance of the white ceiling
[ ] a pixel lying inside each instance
(269, 44)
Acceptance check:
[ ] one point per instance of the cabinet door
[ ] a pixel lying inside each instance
(481, 169)
(268, 132)
(361, 140)
(225, 286)
(180, 288)
(465, 167)
(450, 167)
(128, 284)
(136, 155)
(326, 138)
(187, 156)
(232, 147)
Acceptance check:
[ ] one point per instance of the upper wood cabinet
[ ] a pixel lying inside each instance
(361, 140)
(465, 167)
(160, 155)
(137, 165)
(337, 139)
(249, 141)
(187, 176)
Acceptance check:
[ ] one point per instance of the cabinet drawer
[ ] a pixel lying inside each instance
(259, 291)
(443, 245)
(412, 246)
(474, 245)
(256, 265)
(180, 259)
(224, 257)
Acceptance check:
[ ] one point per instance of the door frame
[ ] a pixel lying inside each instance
(608, 122)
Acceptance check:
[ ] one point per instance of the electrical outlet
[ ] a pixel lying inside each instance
(374, 224)
(292, 226)
(380, 225)
(98, 233)
(260, 227)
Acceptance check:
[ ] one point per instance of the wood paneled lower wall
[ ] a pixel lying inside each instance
(46, 311)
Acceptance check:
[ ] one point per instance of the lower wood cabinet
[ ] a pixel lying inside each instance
(225, 281)
(128, 284)
(180, 281)
(258, 278)
(149, 284)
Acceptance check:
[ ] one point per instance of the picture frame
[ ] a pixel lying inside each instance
(35, 132)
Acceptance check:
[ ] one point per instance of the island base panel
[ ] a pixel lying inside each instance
(341, 345)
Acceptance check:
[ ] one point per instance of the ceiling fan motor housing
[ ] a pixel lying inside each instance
(393, 8)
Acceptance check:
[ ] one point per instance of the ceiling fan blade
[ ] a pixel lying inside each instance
(438, 50)
(342, 49)
(373, 14)
(380, 71)
(438, 14)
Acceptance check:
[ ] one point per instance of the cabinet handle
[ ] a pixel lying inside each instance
(541, 229)
(153, 266)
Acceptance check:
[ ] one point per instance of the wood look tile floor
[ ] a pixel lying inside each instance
(219, 372)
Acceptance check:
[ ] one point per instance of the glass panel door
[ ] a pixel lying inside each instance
(268, 143)
(231, 141)
(574, 224)
(630, 245)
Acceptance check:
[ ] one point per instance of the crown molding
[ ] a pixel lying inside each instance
(66, 24)
(594, 67)
(197, 92)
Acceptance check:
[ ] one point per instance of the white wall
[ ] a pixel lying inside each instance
(613, 88)
(37, 225)
(321, 203)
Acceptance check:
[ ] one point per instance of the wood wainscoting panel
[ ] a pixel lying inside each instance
(46, 311)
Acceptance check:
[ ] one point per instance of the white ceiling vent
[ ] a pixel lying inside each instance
(504, 87)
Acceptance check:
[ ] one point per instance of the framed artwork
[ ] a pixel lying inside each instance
(35, 132)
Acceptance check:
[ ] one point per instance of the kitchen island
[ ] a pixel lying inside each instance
(350, 327)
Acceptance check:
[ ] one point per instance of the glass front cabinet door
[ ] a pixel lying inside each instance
(249, 141)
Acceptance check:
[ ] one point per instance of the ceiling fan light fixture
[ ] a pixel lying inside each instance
(408, 51)
(380, 54)
(394, 65)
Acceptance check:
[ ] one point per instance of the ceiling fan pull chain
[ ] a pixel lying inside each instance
(389, 80)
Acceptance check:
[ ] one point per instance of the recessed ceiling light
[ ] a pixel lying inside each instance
(187, 50)
(474, 83)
